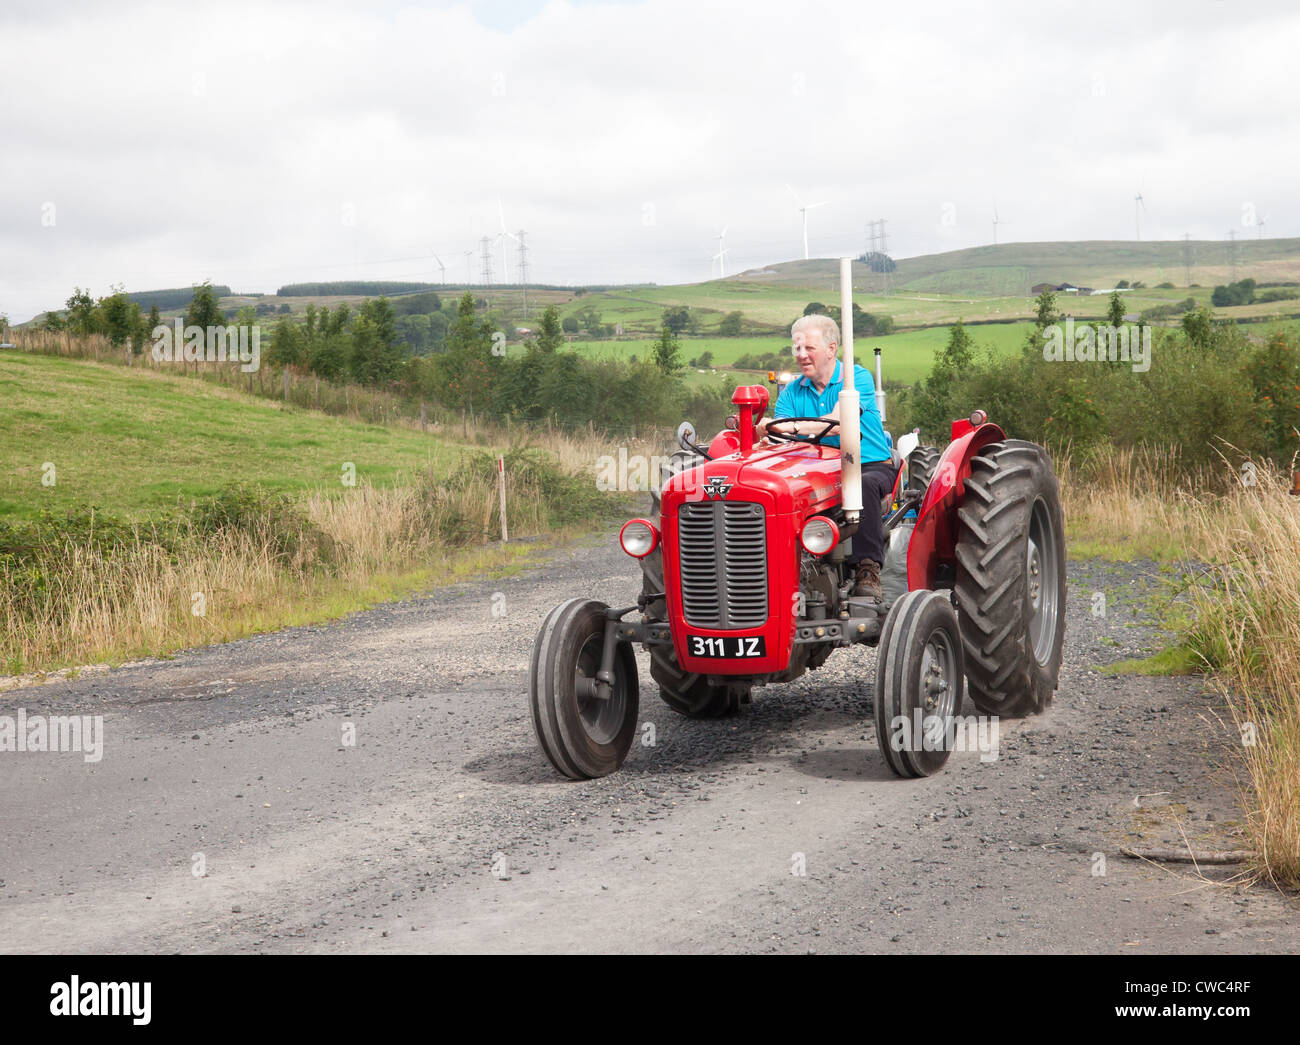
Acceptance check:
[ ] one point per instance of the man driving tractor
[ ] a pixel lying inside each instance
(816, 341)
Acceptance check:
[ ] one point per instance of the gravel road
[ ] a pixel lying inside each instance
(230, 814)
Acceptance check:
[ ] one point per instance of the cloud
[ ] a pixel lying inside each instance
(258, 144)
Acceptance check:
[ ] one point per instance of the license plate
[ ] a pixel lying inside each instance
(728, 646)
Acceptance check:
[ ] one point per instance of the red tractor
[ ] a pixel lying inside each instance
(745, 584)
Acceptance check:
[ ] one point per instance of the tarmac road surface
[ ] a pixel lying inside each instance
(229, 812)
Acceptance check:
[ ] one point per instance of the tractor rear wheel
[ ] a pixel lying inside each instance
(1010, 581)
(685, 692)
(918, 683)
(920, 465)
(583, 734)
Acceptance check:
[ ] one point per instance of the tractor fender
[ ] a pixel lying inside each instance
(934, 538)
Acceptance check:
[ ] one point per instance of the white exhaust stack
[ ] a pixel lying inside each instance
(849, 408)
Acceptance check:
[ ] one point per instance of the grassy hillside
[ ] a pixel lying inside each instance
(133, 441)
(1012, 268)
(139, 445)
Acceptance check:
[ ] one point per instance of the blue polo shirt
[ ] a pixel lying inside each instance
(800, 398)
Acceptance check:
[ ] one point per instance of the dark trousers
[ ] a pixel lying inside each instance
(877, 481)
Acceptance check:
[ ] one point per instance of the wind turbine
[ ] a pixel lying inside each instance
(721, 256)
(996, 222)
(803, 210)
(469, 267)
(1138, 207)
(441, 267)
(1259, 226)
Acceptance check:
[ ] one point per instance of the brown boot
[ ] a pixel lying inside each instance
(867, 577)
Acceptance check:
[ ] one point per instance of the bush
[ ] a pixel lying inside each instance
(273, 519)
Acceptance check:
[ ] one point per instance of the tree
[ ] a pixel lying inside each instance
(1198, 325)
(667, 353)
(117, 318)
(570, 325)
(376, 354)
(1045, 316)
(140, 329)
(934, 406)
(550, 337)
(287, 348)
(466, 369)
(677, 318)
(730, 325)
(81, 313)
(815, 308)
(155, 319)
(414, 330)
(204, 310)
(1115, 311)
(877, 262)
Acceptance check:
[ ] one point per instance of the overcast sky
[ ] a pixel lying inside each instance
(157, 145)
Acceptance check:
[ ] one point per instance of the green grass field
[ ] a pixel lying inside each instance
(906, 357)
(132, 441)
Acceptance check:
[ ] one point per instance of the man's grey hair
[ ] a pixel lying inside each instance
(823, 324)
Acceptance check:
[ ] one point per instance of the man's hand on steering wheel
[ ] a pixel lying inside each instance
(770, 430)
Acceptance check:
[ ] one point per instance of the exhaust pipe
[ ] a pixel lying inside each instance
(880, 388)
(849, 408)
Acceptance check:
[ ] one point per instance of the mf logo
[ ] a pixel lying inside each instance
(716, 488)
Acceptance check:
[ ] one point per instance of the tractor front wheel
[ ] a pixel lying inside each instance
(1010, 581)
(583, 733)
(918, 683)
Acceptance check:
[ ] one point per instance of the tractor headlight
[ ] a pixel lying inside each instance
(819, 535)
(638, 538)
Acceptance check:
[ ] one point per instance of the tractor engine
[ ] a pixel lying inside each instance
(750, 557)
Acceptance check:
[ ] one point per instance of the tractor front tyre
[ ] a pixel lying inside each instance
(1010, 582)
(918, 683)
(583, 734)
(685, 692)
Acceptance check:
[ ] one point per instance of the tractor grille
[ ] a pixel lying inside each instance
(722, 551)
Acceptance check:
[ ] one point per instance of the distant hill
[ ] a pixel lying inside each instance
(1010, 269)
(176, 297)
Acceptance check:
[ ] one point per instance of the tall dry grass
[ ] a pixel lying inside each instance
(247, 562)
(1245, 625)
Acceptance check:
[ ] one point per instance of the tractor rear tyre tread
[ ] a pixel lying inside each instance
(1011, 592)
(921, 465)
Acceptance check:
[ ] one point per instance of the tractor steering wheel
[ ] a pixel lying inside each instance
(795, 437)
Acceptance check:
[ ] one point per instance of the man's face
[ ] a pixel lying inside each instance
(815, 358)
